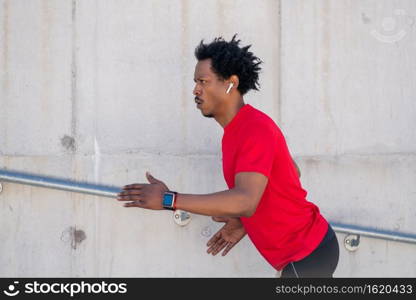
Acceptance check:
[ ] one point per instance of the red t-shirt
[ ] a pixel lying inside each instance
(285, 226)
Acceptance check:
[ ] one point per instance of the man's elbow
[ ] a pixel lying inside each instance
(241, 211)
(248, 213)
(250, 207)
(245, 203)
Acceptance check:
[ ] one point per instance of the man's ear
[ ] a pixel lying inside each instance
(235, 80)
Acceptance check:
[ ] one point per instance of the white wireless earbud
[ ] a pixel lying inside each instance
(229, 88)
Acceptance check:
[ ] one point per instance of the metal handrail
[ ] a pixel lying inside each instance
(59, 184)
(111, 191)
(375, 233)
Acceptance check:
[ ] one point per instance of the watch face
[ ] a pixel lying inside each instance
(167, 199)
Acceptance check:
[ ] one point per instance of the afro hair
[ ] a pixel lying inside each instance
(228, 58)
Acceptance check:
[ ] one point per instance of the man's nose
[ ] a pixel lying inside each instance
(196, 91)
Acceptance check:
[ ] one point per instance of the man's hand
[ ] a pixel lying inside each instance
(144, 195)
(227, 237)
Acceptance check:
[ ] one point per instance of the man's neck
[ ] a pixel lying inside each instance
(229, 113)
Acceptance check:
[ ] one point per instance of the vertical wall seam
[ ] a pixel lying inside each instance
(73, 99)
(73, 73)
(96, 265)
(5, 87)
(184, 80)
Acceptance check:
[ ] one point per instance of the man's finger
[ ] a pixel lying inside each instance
(132, 204)
(220, 219)
(131, 192)
(219, 247)
(214, 239)
(228, 248)
(133, 186)
(130, 198)
(214, 246)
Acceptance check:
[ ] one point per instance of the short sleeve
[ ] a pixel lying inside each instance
(257, 149)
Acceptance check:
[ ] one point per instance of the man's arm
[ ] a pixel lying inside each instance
(242, 200)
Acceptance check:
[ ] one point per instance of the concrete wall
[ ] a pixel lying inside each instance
(348, 110)
(101, 91)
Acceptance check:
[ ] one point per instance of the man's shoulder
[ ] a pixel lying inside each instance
(258, 121)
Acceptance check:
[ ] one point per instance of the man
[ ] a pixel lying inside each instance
(265, 198)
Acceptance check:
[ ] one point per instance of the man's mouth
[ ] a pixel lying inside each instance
(198, 100)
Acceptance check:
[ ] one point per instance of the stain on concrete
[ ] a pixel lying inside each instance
(68, 142)
(399, 223)
(79, 236)
(365, 18)
(73, 236)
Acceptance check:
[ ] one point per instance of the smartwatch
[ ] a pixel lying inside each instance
(169, 200)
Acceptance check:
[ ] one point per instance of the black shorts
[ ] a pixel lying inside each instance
(322, 262)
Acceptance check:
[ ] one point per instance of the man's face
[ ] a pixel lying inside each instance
(209, 90)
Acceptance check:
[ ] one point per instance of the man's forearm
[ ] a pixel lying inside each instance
(229, 203)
